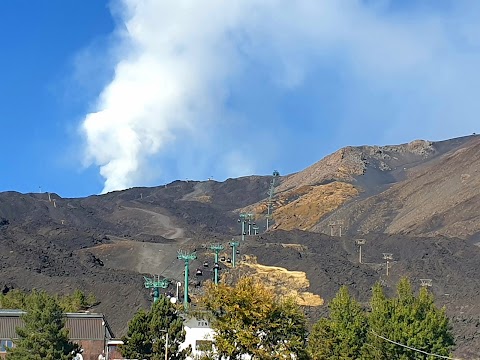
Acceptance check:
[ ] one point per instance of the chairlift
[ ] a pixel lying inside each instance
(238, 251)
(229, 260)
(199, 272)
(216, 266)
(222, 258)
(205, 264)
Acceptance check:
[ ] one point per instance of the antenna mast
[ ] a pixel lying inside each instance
(270, 196)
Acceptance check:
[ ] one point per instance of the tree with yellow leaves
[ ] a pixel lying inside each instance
(250, 319)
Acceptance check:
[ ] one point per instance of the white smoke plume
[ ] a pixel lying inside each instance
(178, 60)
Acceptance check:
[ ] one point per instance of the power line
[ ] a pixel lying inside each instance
(412, 348)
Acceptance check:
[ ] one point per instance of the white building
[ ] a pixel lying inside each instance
(198, 334)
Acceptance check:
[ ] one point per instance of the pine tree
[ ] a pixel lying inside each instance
(343, 334)
(410, 320)
(146, 336)
(43, 336)
(249, 319)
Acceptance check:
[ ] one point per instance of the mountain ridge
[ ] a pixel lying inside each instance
(104, 243)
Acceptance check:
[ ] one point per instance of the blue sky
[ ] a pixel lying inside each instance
(103, 95)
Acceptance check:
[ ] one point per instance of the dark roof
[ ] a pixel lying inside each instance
(81, 326)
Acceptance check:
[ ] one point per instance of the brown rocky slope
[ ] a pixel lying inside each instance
(401, 199)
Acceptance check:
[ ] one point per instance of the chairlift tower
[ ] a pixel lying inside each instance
(332, 226)
(250, 217)
(387, 257)
(340, 224)
(243, 221)
(234, 245)
(216, 249)
(186, 257)
(155, 284)
(270, 196)
(360, 242)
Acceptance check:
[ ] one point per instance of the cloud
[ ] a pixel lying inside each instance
(182, 64)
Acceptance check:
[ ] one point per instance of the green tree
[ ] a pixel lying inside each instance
(43, 336)
(249, 318)
(410, 320)
(14, 299)
(146, 336)
(76, 301)
(17, 299)
(343, 334)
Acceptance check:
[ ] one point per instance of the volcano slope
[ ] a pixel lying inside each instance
(104, 244)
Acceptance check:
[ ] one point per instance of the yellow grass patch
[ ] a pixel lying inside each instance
(302, 208)
(283, 281)
(203, 198)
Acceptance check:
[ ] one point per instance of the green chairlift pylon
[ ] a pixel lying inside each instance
(270, 197)
(216, 249)
(250, 217)
(156, 284)
(186, 257)
(243, 220)
(234, 245)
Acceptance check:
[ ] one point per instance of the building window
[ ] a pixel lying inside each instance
(203, 345)
(5, 344)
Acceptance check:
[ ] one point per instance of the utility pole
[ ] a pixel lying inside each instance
(360, 242)
(186, 257)
(178, 285)
(332, 226)
(387, 257)
(216, 249)
(243, 220)
(166, 343)
(234, 245)
(426, 282)
(270, 196)
(155, 284)
(166, 346)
